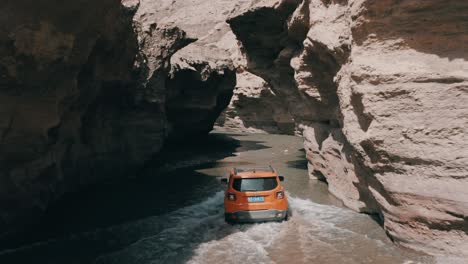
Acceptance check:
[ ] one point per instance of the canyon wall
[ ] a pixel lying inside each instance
(378, 89)
(90, 91)
(402, 113)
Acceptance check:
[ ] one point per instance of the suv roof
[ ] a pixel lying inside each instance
(255, 172)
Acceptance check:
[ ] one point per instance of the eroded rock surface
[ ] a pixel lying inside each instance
(94, 97)
(378, 89)
(52, 70)
(255, 108)
(401, 99)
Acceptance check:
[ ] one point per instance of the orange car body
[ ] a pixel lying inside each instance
(254, 195)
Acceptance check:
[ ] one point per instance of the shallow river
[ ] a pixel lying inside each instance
(173, 213)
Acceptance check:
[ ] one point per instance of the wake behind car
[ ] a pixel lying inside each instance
(254, 195)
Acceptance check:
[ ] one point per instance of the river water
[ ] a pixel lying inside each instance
(173, 213)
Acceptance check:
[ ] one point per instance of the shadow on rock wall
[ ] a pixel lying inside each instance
(86, 99)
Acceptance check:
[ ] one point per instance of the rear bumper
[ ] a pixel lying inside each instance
(255, 216)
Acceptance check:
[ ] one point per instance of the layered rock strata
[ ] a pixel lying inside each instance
(378, 90)
(93, 97)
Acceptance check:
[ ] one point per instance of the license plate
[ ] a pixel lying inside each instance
(256, 199)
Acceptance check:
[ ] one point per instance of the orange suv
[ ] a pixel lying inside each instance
(255, 195)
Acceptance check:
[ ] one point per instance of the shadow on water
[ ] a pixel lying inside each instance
(205, 149)
(300, 163)
(86, 224)
(109, 222)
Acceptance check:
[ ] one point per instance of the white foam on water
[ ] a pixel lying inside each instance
(247, 244)
(197, 234)
(330, 230)
(182, 228)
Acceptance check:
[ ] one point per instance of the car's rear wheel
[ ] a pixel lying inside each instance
(228, 221)
(288, 214)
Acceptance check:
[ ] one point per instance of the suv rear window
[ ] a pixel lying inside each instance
(255, 184)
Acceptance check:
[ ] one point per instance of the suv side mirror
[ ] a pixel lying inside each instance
(281, 178)
(224, 180)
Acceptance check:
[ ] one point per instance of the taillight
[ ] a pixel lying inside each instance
(280, 195)
(231, 197)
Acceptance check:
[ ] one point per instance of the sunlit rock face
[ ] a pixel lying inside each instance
(90, 90)
(378, 89)
(402, 96)
(256, 108)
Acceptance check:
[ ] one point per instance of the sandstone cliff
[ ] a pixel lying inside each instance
(378, 89)
(90, 90)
